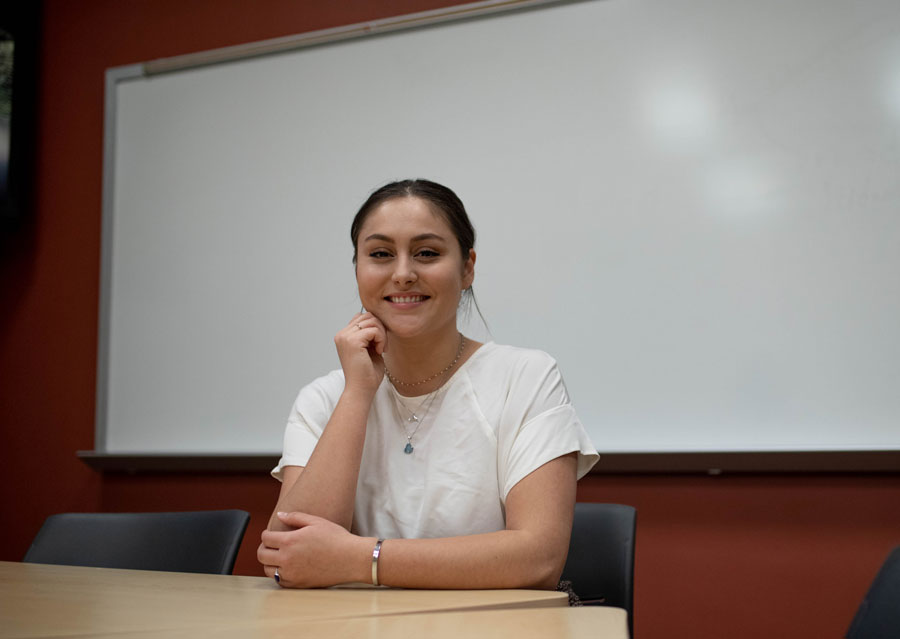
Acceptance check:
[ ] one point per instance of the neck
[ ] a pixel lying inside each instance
(412, 360)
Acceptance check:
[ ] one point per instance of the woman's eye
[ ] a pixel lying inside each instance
(379, 255)
(427, 253)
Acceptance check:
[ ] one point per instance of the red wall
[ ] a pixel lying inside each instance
(730, 556)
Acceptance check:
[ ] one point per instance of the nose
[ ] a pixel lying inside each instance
(404, 271)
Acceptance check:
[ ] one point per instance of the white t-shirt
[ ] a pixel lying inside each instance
(504, 413)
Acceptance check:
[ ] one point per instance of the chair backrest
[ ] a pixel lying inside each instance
(878, 616)
(204, 541)
(600, 563)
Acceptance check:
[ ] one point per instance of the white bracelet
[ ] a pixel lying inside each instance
(375, 553)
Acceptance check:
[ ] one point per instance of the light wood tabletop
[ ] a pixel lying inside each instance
(55, 601)
(522, 623)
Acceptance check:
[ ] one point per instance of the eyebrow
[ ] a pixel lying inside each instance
(417, 238)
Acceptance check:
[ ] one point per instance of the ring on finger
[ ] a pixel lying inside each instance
(277, 576)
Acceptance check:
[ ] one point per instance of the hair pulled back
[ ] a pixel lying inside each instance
(443, 201)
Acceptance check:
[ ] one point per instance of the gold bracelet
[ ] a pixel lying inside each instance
(375, 553)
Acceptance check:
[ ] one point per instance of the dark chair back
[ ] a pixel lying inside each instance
(204, 541)
(878, 616)
(600, 564)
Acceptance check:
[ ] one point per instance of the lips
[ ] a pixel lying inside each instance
(406, 299)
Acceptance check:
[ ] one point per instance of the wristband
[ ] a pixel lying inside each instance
(375, 553)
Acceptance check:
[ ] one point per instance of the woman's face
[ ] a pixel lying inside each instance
(409, 268)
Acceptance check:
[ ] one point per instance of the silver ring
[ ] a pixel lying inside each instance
(277, 576)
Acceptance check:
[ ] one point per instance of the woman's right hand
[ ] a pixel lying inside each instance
(360, 346)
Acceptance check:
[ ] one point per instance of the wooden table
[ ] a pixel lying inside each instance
(58, 601)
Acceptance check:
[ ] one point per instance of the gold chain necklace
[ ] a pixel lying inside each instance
(397, 382)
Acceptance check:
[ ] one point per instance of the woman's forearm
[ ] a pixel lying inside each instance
(327, 485)
(503, 559)
(530, 553)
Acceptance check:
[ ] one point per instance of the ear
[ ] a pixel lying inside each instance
(469, 270)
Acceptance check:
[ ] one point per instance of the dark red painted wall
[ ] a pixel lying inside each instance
(730, 556)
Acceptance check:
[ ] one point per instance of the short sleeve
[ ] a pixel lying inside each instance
(309, 415)
(539, 423)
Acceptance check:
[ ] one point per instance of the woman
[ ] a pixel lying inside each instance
(452, 462)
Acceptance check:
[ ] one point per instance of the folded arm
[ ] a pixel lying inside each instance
(529, 553)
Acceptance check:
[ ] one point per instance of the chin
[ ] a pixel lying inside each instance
(405, 330)
(409, 326)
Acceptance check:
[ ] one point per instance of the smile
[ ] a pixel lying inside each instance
(406, 299)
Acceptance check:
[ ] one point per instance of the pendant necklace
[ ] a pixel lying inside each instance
(418, 415)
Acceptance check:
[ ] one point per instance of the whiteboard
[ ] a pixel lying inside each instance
(693, 205)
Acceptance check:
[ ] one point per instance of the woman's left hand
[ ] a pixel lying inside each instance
(317, 553)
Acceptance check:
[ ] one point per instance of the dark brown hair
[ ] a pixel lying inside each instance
(443, 200)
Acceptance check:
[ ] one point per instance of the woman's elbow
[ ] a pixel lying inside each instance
(544, 573)
(544, 580)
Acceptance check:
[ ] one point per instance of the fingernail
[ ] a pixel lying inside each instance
(281, 514)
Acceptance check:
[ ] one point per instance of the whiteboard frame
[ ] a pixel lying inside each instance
(852, 461)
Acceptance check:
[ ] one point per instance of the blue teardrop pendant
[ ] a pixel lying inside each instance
(408, 449)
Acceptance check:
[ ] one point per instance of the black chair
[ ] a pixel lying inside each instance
(600, 563)
(878, 616)
(204, 541)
